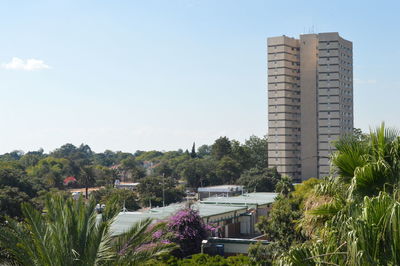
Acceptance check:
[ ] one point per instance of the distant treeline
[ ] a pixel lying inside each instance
(29, 176)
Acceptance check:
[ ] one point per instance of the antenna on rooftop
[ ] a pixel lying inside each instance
(311, 29)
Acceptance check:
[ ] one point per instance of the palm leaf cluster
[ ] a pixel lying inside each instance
(353, 218)
(369, 236)
(72, 233)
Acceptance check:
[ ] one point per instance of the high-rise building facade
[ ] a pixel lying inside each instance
(310, 101)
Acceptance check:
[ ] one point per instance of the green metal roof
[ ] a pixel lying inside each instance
(249, 199)
(125, 220)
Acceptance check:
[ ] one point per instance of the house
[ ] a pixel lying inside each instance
(236, 216)
(257, 204)
(226, 217)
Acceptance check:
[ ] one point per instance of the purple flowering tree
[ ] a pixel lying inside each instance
(187, 229)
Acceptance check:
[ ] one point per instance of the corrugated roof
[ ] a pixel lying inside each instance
(222, 188)
(256, 198)
(125, 220)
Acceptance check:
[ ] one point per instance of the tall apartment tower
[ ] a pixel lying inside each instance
(310, 101)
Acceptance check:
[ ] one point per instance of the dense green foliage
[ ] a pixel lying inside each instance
(152, 189)
(280, 224)
(126, 198)
(203, 260)
(260, 179)
(29, 176)
(71, 233)
(15, 188)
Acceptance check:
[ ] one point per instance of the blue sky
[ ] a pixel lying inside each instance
(129, 75)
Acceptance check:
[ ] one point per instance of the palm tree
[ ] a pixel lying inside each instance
(71, 233)
(88, 177)
(369, 236)
(356, 215)
(364, 168)
(284, 186)
(372, 165)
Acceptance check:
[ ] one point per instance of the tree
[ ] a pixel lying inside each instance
(258, 151)
(107, 158)
(87, 178)
(125, 197)
(80, 156)
(71, 234)
(193, 153)
(163, 169)
(151, 190)
(149, 156)
(284, 186)
(10, 201)
(261, 254)
(51, 171)
(12, 156)
(104, 175)
(132, 169)
(195, 172)
(366, 234)
(13, 175)
(203, 151)
(279, 226)
(241, 154)
(221, 147)
(359, 135)
(355, 215)
(15, 188)
(31, 158)
(228, 170)
(187, 229)
(260, 180)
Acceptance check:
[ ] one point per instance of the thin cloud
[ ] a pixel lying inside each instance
(27, 65)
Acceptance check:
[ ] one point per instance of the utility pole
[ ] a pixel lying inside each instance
(163, 190)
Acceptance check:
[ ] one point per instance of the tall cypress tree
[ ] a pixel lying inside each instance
(193, 153)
